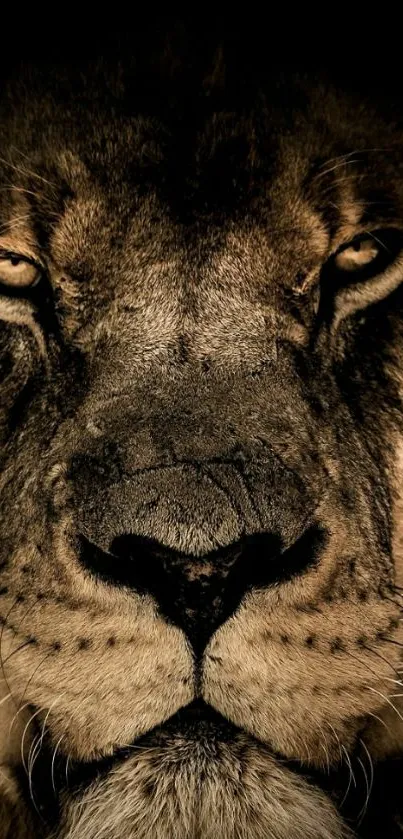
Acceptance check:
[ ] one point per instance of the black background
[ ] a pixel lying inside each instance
(363, 48)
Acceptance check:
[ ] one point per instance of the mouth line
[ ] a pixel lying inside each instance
(53, 773)
(194, 721)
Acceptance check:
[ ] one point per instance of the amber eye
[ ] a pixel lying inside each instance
(357, 255)
(18, 272)
(367, 255)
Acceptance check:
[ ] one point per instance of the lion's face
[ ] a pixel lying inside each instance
(201, 419)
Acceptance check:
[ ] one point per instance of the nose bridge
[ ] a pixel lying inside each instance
(192, 413)
(192, 456)
(233, 327)
(186, 415)
(173, 397)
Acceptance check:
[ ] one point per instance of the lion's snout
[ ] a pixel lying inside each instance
(185, 513)
(199, 593)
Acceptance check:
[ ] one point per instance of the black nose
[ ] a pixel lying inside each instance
(198, 593)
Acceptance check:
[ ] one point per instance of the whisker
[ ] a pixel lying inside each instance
(31, 719)
(333, 168)
(392, 641)
(52, 773)
(34, 672)
(67, 770)
(51, 706)
(338, 158)
(12, 223)
(18, 711)
(324, 747)
(34, 752)
(28, 643)
(345, 156)
(352, 779)
(381, 721)
(20, 189)
(134, 747)
(378, 655)
(7, 696)
(379, 678)
(367, 784)
(26, 156)
(370, 761)
(389, 702)
(394, 602)
(26, 172)
(353, 178)
(381, 244)
(30, 608)
(31, 792)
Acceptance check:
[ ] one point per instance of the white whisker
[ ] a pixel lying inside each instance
(365, 805)
(382, 695)
(6, 697)
(31, 719)
(52, 773)
(352, 779)
(370, 784)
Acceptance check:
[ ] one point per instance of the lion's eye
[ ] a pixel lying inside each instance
(18, 272)
(357, 255)
(366, 256)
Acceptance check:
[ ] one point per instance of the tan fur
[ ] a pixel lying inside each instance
(183, 788)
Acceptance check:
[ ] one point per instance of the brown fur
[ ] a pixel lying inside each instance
(180, 380)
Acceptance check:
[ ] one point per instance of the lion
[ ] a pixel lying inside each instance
(201, 419)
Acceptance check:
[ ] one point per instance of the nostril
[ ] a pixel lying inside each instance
(128, 562)
(265, 563)
(198, 593)
(261, 568)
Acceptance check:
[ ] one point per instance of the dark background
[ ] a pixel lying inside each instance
(360, 47)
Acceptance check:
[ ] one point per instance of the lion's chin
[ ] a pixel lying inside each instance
(196, 778)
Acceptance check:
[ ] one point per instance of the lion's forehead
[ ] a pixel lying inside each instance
(237, 197)
(158, 261)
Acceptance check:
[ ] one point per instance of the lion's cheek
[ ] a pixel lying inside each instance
(104, 697)
(305, 698)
